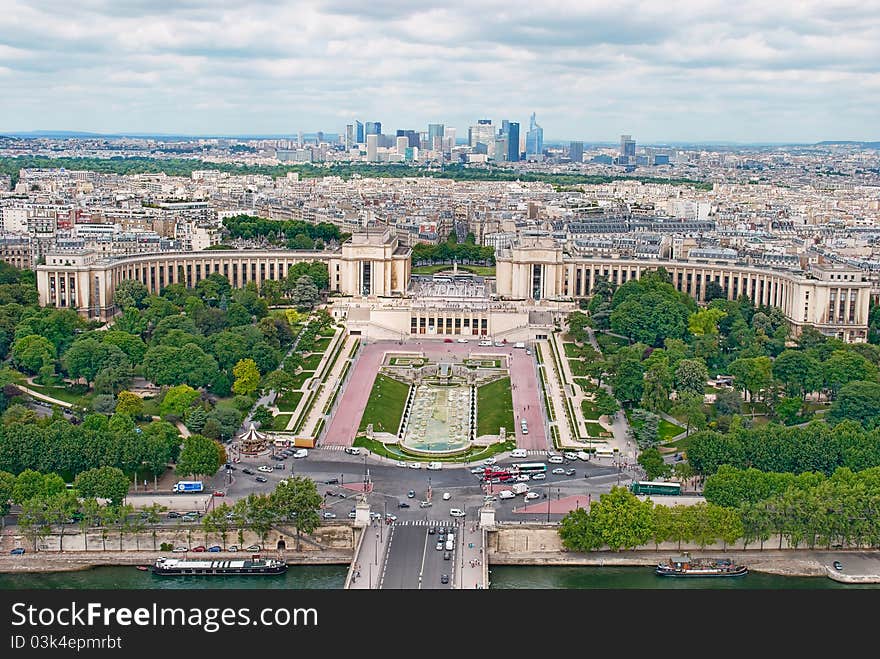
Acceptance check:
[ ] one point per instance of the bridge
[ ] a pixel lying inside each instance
(405, 555)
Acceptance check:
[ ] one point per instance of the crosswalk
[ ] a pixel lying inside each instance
(425, 522)
(330, 447)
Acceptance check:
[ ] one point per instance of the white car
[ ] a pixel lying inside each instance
(456, 512)
(478, 470)
(329, 515)
(301, 453)
(446, 496)
(490, 460)
(434, 466)
(558, 471)
(522, 478)
(415, 465)
(401, 463)
(531, 495)
(462, 340)
(538, 477)
(568, 455)
(266, 469)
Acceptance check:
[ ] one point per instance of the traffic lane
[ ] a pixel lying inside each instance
(405, 555)
(436, 567)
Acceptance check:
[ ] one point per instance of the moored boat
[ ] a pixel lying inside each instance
(686, 566)
(255, 566)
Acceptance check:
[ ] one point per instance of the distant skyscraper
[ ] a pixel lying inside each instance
(513, 141)
(359, 132)
(500, 153)
(576, 151)
(482, 133)
(349, 136)
(373, 128)
(411, 135)
(435, 136)
(372, 148)
(402, 144)
(534, 138)
(627, 150)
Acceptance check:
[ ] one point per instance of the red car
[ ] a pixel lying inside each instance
(219, 493)
(199, 548)
(447, 340)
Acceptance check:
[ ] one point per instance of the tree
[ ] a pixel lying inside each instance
(751, 374)
(691, 408)
(705, 321)
(261, 515)
(714, 291)
(649, 318)
(200, 456)
(789, 409)
(130, 293)
(34, 520)
(130, 404)
(30, 484)
(578, 532)
(297, 499)
(652, 462)
(7, 485)
(86, 357)
(32, 352)
(810, 337)
(605, 403)
(858, 401)
(60, 509)
(178, 400)
(799, 372)
(657, 385)
(844, 366)
(216, 521)
(690, 377)
(228, 420)
(644, 427)
(728, 402)
(195, 419)
(262, 415)
(104, 483)
(247, 377)
(628, 380)
(305, 294)
(622, 520)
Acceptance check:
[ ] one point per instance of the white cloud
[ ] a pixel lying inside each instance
(677, 70)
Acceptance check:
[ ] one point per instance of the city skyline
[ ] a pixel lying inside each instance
(681, 72)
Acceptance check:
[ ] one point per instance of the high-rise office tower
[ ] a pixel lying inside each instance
(358, 132)
(435, 136)
(349, 136)
(482, 133)
(373, 128)
(449, 134)
(534, 138)
(373, 148)
(500, 153)
(513, 141)
(576, 151)
(402, 144)
(411, 135)
(627, 150)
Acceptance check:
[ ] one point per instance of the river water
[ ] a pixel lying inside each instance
(333, 577)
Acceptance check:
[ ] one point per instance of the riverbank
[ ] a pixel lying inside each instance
(75, 561)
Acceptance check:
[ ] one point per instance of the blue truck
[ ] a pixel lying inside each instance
(188, 486)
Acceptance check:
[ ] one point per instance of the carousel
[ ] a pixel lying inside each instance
(252, 442)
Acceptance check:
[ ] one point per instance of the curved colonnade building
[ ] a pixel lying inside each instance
(535, 281)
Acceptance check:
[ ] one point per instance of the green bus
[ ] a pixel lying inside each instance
(655, 487)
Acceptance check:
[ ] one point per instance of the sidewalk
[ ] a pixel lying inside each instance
(331, 382)
(469, 572)
(555, 393)
(370, 562)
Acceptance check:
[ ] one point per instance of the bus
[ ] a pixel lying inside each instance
(501, 474)
(655, 487)
(529, 468)
(605, 452)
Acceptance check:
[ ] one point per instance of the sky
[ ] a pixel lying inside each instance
(664, 70)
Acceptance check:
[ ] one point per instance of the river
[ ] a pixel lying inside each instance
(333, 577)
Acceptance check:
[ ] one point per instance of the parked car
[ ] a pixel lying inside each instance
(444, 578)
(414, 465)
(215, 548)
(447, 340)
(219, 493)
(266, 469)
(329, 515)
(278, 457)
(352, 515)
(331, 481)
(232, 548)
(179, 550)
(18, 551)
(279, 466)
(439, 546)
(301, 453)
(401, 463)
(249, 472)
(200, 548)
(254, 548)
(431, 530)
(261, 479)
(462, 340)
(490, 460)
(173, 515)
(447, 555)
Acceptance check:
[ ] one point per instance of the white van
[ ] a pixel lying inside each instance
(519, 344)
(486, 342)
(353, 450)
(556, 459)
(519, 453)
(450, 545)
(506, 494)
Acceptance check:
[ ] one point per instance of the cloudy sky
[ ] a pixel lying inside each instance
(764, 70)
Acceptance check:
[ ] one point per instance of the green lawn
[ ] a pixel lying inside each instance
(280, 421)
(321, 345)
(608, 343)
(578, 367)
(571, 350)
(665, 429)
(595, 430)
(681, 444)
(495, 408)
(289, 401)
(300, 378)
(76, 396)
(311, 362)
(394, 451)
(385, 406)
(589, 410)
(482, 270)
